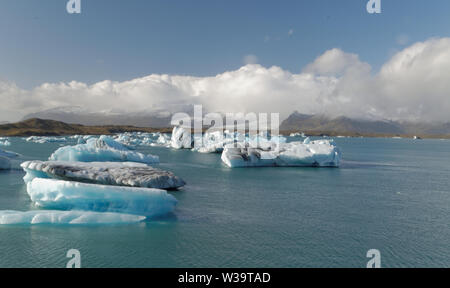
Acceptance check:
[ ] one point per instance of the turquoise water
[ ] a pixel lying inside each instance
(390, 194)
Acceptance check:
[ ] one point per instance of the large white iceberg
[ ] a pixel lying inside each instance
(40, 217)
(67, 195)
(264, 142)
(106, 173)
(103, 149)
(320, 153)
(216, 141)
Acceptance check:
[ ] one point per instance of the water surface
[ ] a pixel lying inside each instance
(389, 194)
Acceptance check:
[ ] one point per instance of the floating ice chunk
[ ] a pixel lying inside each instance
(322, 153)
(163, 140)
(101, 150)
(5, 142)
(106, 173)
(44, 139)
(298, 134)
(67, 195)
(181, 138)
(212, 142)
(5, 164)
(143, 139)
(123, 138)
(40, 217)
(264, 142)
(108, 142)
(131, 139)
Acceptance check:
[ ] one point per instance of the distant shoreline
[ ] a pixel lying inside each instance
(365, 135)
(42, 127)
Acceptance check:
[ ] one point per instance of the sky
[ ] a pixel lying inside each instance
(159, 52)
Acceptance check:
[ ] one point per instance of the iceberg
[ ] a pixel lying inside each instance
(4, 142)
(125, 139)
(105, 173)
(264, 142)
(297, 134)
(66, 195)
(133, 139)
(40, 217)
(163, 140)
(143, 139)
(45, 139)
(320, 153)
(103, 149)
(213, 142)
(81, 138)
(181, 138)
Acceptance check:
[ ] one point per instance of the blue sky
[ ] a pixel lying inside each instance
(121, 40)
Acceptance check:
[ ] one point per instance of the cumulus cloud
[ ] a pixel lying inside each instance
(335, 62)
(412, 85)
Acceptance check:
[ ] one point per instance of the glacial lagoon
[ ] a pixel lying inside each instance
(388, 194)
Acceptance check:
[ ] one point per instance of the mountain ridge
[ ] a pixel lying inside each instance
(47, 127)
(342, 125)
(296, 122)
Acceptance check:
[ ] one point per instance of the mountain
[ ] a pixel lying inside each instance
(107, 122)
(319, 124)
(40, 127)
(78, 115)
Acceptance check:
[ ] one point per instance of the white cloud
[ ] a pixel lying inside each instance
(413, 84)
(291, 32)
(336, 62)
